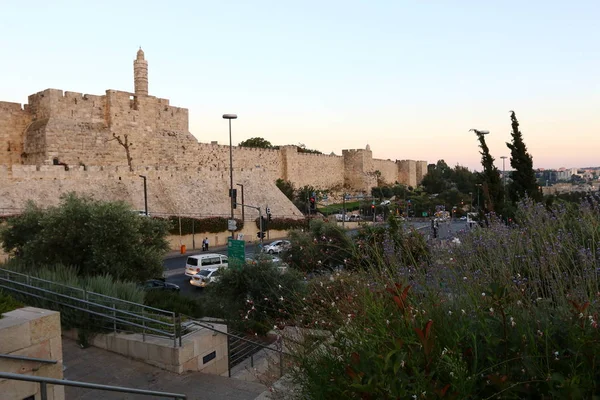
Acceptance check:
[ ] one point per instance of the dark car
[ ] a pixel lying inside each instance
(156, 284)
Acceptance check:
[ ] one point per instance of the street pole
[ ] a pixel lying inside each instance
(230, 117)
(260, 224)
(145, 195)
(478, 206)
(344, 211)
(503, 172)
(243, 214)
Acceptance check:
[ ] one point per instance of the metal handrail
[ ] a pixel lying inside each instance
(165, 332)
(43, 381)
(85, 292)
(25, 358)
(111, 317)
(231, 335)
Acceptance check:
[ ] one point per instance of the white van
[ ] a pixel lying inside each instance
(198, 262)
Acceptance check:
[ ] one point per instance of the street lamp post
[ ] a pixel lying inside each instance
(145, 195)
(230, 117)
(478, 186)
(503, 172)
(242, 186)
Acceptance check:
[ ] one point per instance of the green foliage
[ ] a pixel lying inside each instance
(493, 191)
(66, 281)
(523, 181)
(324, 247)
(201, 225)
(96, 237)
(8, 303)
(256, 297)
(286, 187)
(302, 149)
(282, 224)
(256, 142)
(511, 311)
(174, 302)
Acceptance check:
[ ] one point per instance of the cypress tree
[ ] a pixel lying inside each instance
(523, 181)
(492, 184)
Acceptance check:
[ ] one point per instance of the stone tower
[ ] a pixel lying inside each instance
(140, 74)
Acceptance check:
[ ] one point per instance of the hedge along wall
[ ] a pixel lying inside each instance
(215, 228)
(204, 225)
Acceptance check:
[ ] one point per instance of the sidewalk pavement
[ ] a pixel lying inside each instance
(100, 366)
(177, 253)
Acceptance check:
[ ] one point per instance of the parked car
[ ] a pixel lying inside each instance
(157, 284)
(277, 246)
(355, 217)
(463, 218)
(386, 203)
(205, 277)
(198, 262)
(264, 258)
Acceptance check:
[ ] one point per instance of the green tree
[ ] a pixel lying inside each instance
(523, 182)
(256, 142)
(493, 191)
(286, 188)
(96, 237)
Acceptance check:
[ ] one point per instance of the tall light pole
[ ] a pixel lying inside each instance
(230, 117)
(242, 186)
(145, 195)
(503, 172)
(478, 186)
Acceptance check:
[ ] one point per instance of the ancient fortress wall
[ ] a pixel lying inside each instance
(99, 144)
(388, 170)
(14, 119)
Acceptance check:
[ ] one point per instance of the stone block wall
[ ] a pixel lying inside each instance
(13, 122)
(160, 352)
(408, 172)
(31, 332)
(388, 170)
(421, 167)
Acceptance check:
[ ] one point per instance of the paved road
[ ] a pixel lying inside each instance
(175, 266)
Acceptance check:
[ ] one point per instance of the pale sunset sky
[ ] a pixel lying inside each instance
(409, 78)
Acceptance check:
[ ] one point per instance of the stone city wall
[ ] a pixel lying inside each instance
(91, 136)
(171, 190)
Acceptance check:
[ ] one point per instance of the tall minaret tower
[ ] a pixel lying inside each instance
(140, 74)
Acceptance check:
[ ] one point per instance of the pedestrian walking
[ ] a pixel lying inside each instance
(203, 244)
(206, 244)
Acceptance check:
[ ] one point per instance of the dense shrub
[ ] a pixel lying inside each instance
(255, 297)
(510, 311)
(282, 224)
(94, 236)
(324, 247)
(174, 302)
(201, 225)
(8, 303)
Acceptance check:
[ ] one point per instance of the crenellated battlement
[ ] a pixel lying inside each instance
(72, 137)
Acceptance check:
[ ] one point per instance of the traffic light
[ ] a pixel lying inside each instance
(313, 205)
(233, 195)
(269, 217)
(260, 235)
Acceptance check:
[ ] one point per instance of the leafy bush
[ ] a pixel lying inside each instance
(255, 297)
(282, 224)
(174, 302)
(96, 237)
(8, 303)
(511, 311)
(201, 225)
(324, 247)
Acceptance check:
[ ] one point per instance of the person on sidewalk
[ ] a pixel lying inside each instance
(203, 244)
(206, 244)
